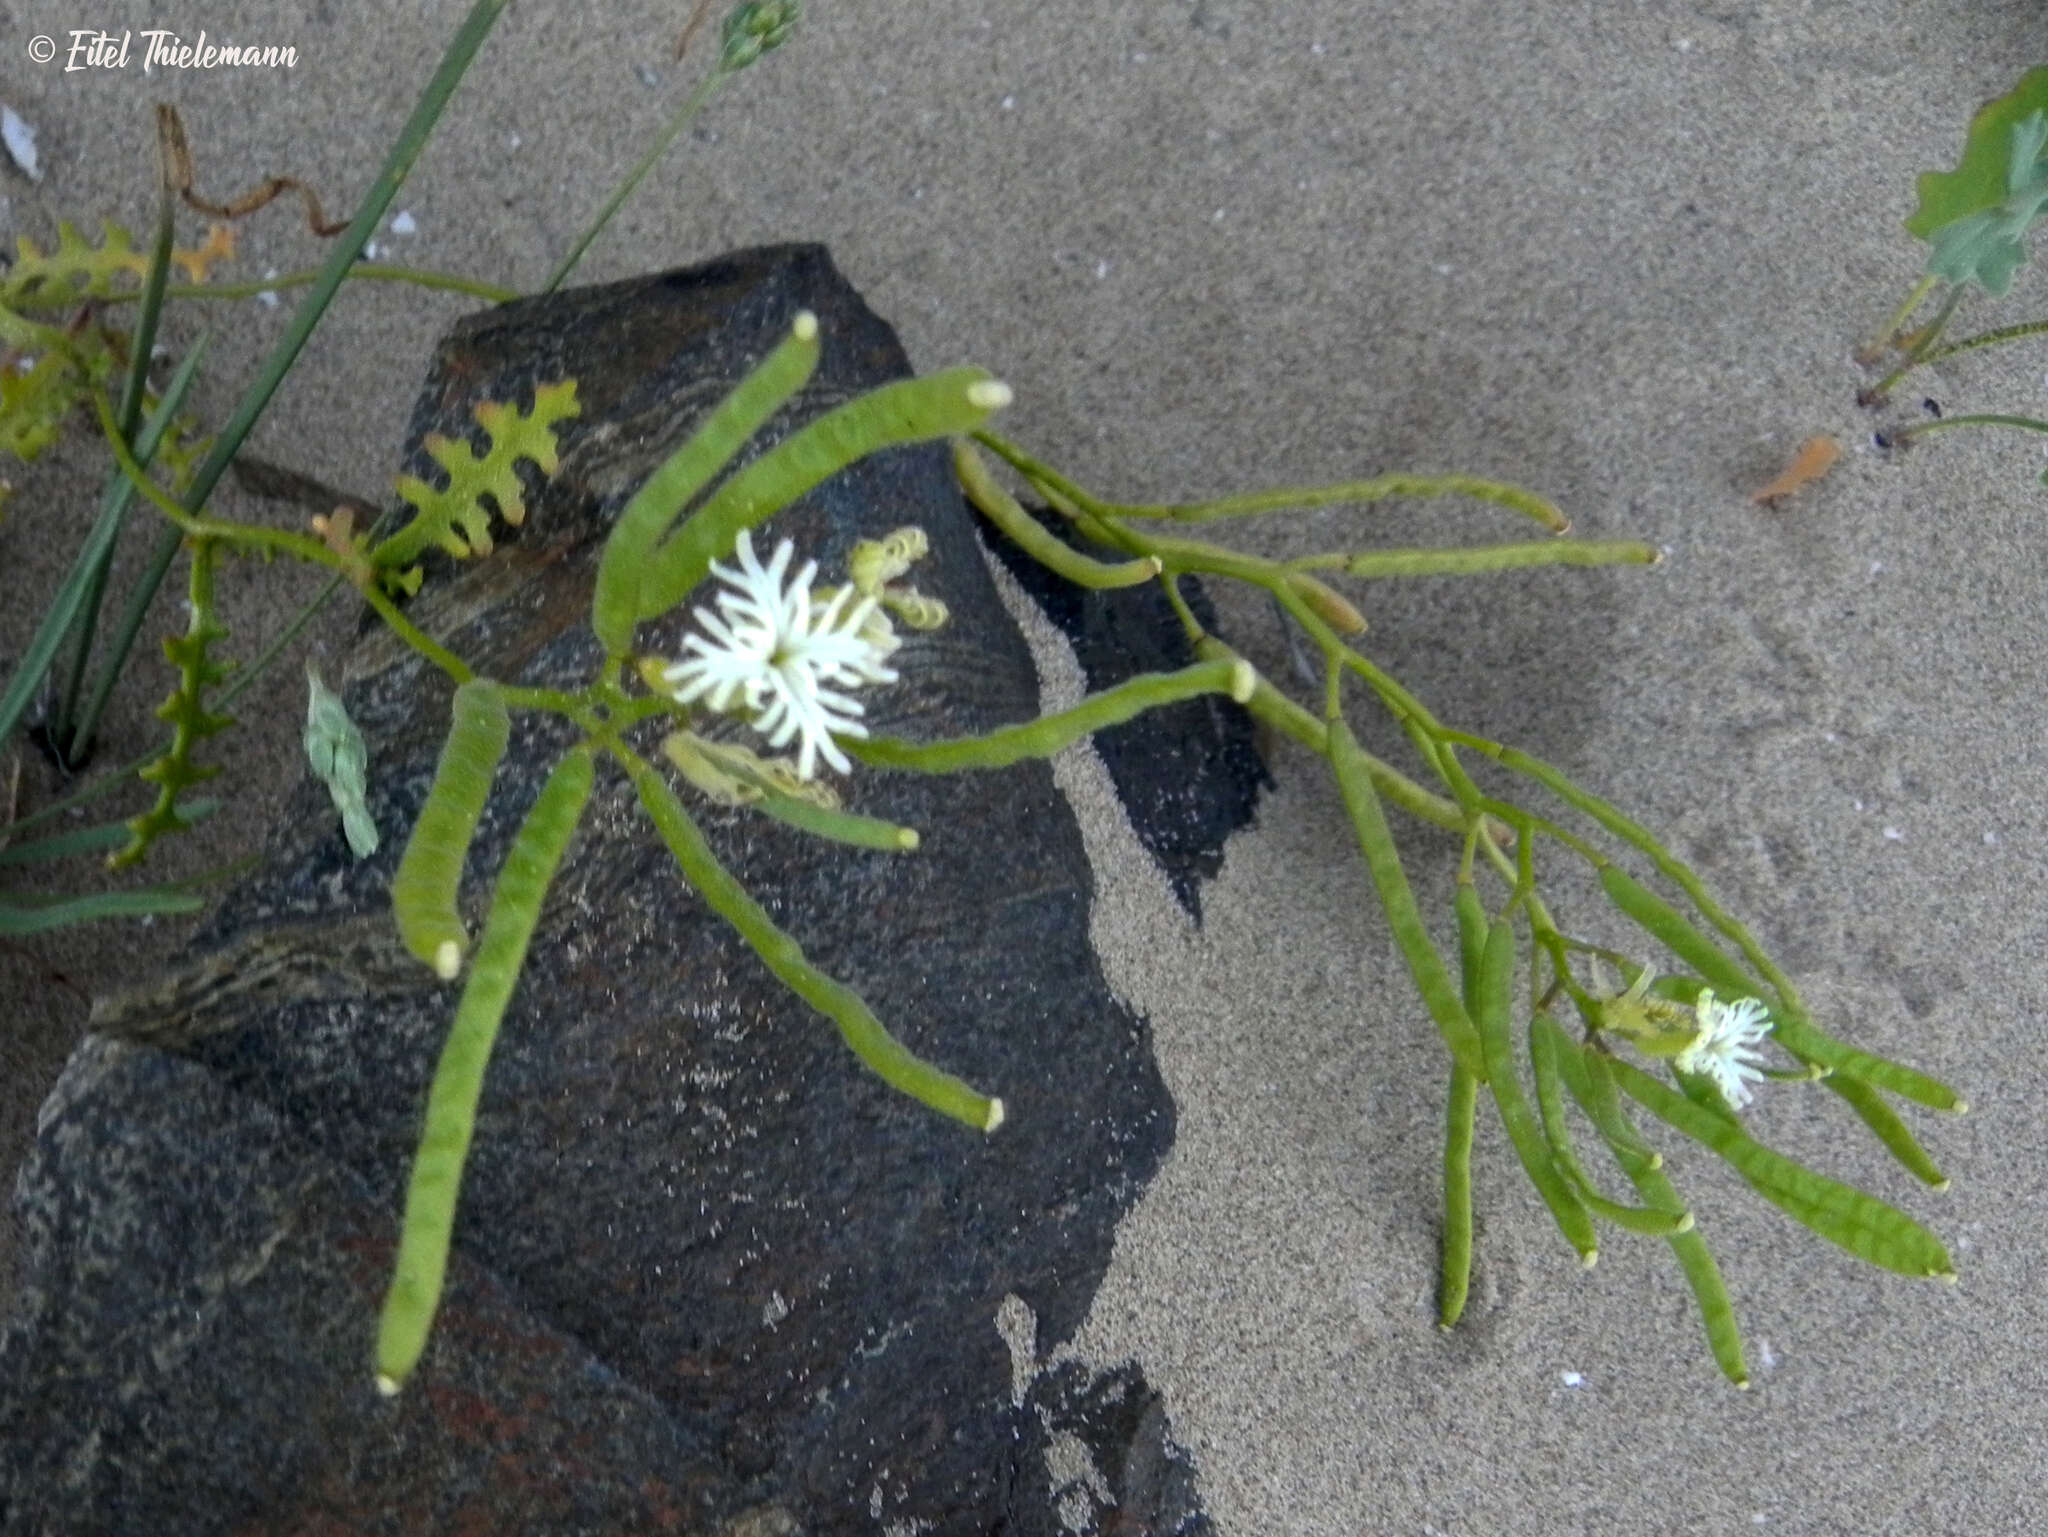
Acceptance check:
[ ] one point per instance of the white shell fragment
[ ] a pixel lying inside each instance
(20, 140)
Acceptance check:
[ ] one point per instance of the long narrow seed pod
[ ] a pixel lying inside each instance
(1870, 1107)
(1030, 536)
(429, 876)
(1456, 1280)
(1860, 1223)
(660, 500)
(1476, 560)
(1548, 1047)
(1586, 1078)
(1404, 918)
(1584, 1073)
(1489, 1007)
(890, 1059)
(911, 411)
(459, 1078)
(1048, 734)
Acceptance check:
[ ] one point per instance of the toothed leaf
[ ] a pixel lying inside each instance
(457, 519)
(76, 269)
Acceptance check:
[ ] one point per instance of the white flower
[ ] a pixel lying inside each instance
(771, 655)
(1721, 1051)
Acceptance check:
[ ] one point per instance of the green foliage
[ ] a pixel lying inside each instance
(530, 866)
(424, 893)
(77, 269)
(911, 411)
(425, 889)
(1989, 246)
(47, 369)
(34, 401)
(1476, 1011)
(1975, 218)
(340, 760)
(457, 517)
(174, 770)
(1981, 180)
(20, 918)
(756, 27)
(616, 607)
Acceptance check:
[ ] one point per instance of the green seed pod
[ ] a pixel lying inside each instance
(910, 411)
(422, 1264)
(429, 878)
(655, 506)
(1457, 1242)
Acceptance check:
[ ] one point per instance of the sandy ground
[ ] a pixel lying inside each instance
(1617, 253)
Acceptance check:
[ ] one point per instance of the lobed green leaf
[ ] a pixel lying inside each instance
(1979, 180)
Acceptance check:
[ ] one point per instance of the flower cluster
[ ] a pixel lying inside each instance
(1722, 1049)
(777, 653)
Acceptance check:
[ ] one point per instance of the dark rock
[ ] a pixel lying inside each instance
(711, 1275)
(1188, 774)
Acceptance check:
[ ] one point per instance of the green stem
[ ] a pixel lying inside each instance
(368, 272)
(277, 540)
(890, 1060)
(1987, 339)
(1383, 863)
(1491, 557)
(1048, 734)
(1277, 710)
(1918, 354)
(703, 93)
(412, 139)
(49, 636)
(1977, 419)
(1379, 488)
(67, 728)
(1897, 323)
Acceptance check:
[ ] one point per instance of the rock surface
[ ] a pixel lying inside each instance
(710, 1274)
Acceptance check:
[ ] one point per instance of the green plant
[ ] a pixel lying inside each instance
(1975, 220)
(789, 659)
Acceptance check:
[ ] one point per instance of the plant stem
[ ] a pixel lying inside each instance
(1988, 339)
(419, 277)
(1918, 353)
(1977, 419)
(68, 734)
(412, 139)
(49, 636)
(703, 93)
(1898, 321)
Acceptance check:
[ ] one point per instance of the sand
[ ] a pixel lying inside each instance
(1617, 253)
